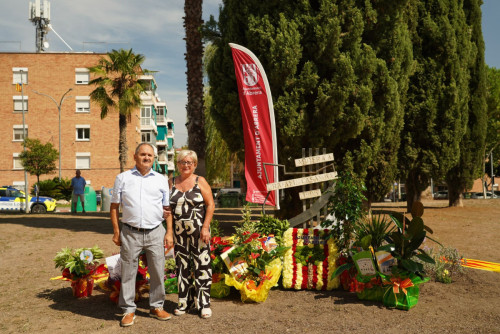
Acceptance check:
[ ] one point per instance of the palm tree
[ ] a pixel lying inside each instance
(118, 88)
(194, 59)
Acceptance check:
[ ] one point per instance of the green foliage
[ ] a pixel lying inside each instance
(268, 225)
(447, 265)
(215, 228)
(247, 225)
(406, 240)
(376, 228)
(346, 205)
(437, 109)
(460, 177)
(493, 111)
(310, 254)
(70, 259)
(39, 159)
(55, 189)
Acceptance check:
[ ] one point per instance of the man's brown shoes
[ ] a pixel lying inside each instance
(159, 313)
(127, 320)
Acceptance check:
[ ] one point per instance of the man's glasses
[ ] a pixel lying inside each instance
(185, 163)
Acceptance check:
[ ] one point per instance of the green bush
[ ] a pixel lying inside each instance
(55, 189)
(447, 266)
(270, 225)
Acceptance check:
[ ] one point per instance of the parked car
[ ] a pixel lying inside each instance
(12, 199)
(442, 194)
(481, 195)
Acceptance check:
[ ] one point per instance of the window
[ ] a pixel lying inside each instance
(146, 115)
(146, 137)
(18, 133)
(82, 76)
(82, 132)
(83, 160)
(18, 103)
(160, 116)
(19, 75)
(17, 161)
(82, 104)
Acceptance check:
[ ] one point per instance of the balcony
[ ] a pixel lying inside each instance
(161, 119)
(162, 157)
(148, 123)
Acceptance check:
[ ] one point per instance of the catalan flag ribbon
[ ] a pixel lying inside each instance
(19, 87)
(483, 265)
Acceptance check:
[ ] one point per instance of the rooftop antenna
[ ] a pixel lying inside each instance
(40, 16)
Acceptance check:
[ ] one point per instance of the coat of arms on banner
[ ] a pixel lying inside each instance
(250, 75)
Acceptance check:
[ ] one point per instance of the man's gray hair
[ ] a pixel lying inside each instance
(142, 144)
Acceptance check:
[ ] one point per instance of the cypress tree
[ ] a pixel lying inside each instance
(437, 106)
(461, 177)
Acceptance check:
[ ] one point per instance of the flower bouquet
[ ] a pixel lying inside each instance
(385, 259)
(254, 264)
(113, 282)
(80, 267)
(219, 245)
(310, 260)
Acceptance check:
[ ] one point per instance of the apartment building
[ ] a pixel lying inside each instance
(88, 142)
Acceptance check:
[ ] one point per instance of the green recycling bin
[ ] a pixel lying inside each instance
(90, 201)
(229, 200)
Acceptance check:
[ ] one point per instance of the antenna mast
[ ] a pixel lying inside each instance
(40, 16)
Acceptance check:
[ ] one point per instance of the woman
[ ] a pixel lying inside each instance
(192, 207)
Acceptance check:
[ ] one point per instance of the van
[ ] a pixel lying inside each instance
(227, 191)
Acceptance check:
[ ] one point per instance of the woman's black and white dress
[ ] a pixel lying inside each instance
(192, 255)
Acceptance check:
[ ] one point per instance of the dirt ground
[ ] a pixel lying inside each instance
(31, 302)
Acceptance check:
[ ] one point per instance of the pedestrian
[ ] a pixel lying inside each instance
(192, 208)
(78, 186)
(143, 195)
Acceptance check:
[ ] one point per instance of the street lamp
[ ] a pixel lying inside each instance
(59, 109)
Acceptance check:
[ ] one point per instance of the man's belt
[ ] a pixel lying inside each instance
(138, 229)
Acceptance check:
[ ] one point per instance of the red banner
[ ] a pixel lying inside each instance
(257, 115)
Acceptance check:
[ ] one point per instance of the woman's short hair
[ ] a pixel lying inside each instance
(187, 153)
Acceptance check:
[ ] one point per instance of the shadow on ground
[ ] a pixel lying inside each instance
(92, 222)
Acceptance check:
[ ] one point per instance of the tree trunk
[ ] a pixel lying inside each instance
(455, 197)
(122, 143)
(194, 59)
(413, 189)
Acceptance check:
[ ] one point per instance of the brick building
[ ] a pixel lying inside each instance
(87, 142)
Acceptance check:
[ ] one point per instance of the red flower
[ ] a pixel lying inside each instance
(254, 255)
(252, 237)
(225, 249)
(212, 256)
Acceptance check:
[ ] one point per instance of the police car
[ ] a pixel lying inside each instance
(12, 199)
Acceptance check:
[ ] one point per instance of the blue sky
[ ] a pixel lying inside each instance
(152, 28)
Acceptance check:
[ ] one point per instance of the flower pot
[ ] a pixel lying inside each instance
(82, 287)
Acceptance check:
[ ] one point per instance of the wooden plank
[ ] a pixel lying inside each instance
(314, 209)
(314, 160)
(310, 194)
(302, 181)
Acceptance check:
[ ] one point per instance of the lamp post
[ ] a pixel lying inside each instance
(59, 109)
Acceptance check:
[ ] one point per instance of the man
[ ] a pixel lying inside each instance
(78, 186)
(143, 195)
